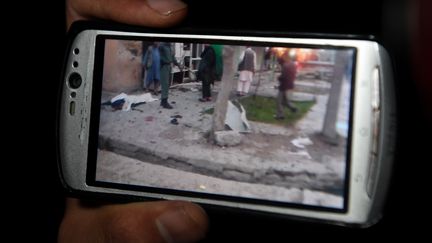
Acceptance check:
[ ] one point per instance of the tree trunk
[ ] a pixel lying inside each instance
(329, 128)
(227, 83)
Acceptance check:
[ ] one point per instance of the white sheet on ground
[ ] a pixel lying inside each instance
(133, 99)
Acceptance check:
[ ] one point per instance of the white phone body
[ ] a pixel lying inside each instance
(367, 153)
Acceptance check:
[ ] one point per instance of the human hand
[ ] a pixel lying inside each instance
(150, 13)
(166, 221)
(163, 221)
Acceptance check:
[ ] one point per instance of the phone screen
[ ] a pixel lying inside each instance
(265, 123)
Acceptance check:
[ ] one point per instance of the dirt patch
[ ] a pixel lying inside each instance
(174, 132)
(320, 147)
(264, 145)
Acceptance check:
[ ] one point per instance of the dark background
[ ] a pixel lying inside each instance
(35, 63)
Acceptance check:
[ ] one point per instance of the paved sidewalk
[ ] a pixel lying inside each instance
(266, 156)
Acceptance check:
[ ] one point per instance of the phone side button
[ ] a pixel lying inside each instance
(376, 124)
(72, 108)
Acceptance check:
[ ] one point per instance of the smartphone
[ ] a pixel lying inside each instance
(304, 128)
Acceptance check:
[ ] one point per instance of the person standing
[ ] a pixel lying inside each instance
(286, 85)
(166, 59)
(267, 58)
(218, 49)
(207, 72)
(247, 69)
(151, 63)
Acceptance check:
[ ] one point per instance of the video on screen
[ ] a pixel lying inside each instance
(257, 122)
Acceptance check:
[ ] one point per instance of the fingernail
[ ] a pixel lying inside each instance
(185, 223)
(166, 7)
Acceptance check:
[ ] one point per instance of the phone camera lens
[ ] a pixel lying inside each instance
(76, 51)
(75, 64)
(75, 80)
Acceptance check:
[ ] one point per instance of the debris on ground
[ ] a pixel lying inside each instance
(174, 121)
(236, 118)
(227, 138)
(301, 142)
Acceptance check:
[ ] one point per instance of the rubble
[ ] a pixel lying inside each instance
(228, 138)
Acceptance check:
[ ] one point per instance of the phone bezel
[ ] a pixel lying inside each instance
(96, 104)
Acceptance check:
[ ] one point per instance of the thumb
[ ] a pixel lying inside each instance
(150, 13)
(163, 221)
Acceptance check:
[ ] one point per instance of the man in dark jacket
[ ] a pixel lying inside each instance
(207, 72)
(286, 85)
(166, 59)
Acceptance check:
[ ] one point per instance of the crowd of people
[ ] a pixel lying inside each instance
(158, 60)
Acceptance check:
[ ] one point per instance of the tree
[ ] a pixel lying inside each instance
(329, 128)
(227, 84)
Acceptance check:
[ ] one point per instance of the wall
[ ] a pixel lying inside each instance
(122, 66)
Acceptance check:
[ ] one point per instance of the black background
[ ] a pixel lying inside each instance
(34, 63)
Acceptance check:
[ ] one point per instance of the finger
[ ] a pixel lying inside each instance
(150, 13)
(72, 203)
(173, 221)
(79, 224)
(165, 221)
